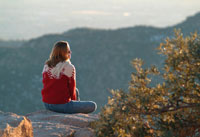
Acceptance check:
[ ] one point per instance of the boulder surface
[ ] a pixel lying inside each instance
(46, 123)
(12, 125)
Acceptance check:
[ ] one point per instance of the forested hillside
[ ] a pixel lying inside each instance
(101, 57)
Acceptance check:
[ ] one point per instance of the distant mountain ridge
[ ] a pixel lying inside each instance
(101, 57)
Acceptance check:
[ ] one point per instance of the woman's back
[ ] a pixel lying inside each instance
(59, 83)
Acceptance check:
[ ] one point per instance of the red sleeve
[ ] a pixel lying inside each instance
(72, 85)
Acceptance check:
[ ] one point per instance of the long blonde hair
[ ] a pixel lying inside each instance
(58, 53)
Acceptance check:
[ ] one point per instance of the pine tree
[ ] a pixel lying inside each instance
(170, 108)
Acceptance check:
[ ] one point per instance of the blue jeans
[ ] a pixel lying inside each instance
(73, 106)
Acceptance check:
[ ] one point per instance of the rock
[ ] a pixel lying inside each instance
(12, 125)
(46, 123)
(51, 124)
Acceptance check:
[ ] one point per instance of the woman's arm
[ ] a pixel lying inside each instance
(70, 72)
(72, 85)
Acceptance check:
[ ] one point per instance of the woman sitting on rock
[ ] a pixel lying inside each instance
(59, 91)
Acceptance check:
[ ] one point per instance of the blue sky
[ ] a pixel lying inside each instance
(25, 19)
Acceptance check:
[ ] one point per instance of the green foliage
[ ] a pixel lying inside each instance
(170, 108)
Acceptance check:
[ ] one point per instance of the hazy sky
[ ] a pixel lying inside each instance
(25, 19)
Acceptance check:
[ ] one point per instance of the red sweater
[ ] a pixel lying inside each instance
(59, 83)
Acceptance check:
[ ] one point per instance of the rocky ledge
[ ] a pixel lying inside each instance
(45, 123)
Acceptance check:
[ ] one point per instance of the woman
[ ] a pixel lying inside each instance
(59, 83)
